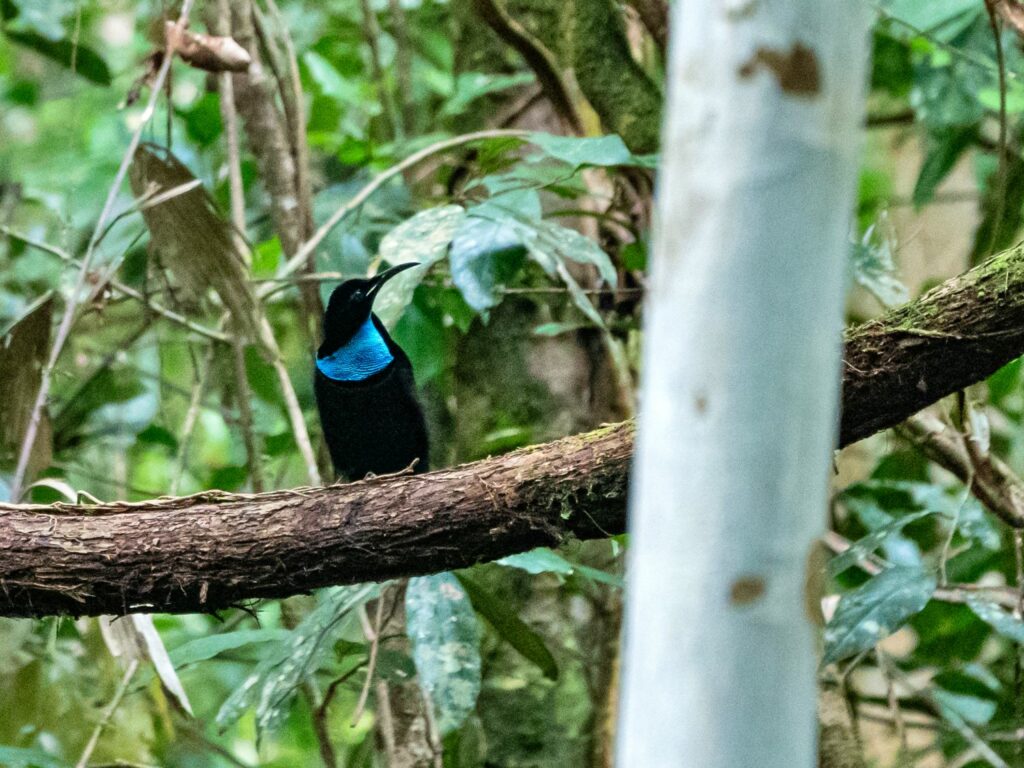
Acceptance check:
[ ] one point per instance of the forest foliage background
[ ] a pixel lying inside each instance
(522, 326)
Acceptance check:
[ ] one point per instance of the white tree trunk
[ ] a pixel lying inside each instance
(740, 381)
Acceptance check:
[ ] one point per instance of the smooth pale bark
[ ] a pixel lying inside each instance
(741, 381)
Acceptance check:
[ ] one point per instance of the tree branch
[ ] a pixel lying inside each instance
(212, 550)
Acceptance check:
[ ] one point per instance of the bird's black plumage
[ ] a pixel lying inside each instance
(365, 391)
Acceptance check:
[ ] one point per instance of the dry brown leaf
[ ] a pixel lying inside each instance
(24, 348)
(191, 236)
(212, 53)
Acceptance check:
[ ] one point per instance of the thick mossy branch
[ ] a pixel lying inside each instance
(624, 97)
(205, 552)
(955, 335)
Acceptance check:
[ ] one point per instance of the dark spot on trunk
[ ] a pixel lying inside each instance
(700, 402)
(746, 590)
(795, 69)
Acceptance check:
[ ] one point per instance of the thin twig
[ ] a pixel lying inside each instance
(403, 67)
(885, 665)
(191, 417)
(997, 219)
(294, 99)
(253, 449)
(961, 726)
(229, 116)
(71, 310)
(307, 249)
(990, 479)
(198, 737)
(948, 543)
(292, 407)
(373, 635)
(332, 688)
(1018, 671)
(115, 702)
(119, 287)
(371, 32)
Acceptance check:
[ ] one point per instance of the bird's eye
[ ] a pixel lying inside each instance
(358, 296)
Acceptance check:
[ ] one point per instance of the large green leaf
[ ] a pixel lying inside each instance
(972, 709)
(863, 547)
(578, 152)
(330, 81)
(1003, 622)
(926, 15)
(544, 560)
(485, 255)
(875, 610)
(553, 241)
(423, 239)
(470, 86)
(445, 636)
(943, 152)
(601, 150)
(88, 63)
(271, 686)
(204, 648)
(511, 628)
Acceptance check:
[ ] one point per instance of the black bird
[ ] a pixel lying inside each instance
(364, 387)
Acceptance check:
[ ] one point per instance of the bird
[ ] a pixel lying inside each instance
(372, 421)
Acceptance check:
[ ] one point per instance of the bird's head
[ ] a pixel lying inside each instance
(350, 306)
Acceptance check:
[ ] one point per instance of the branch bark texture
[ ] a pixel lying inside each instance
(210, 551)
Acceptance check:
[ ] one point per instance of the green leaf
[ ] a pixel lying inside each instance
(875, 610)
(540, 560)
(510, 627)
(603, 150)
(556, 329)
(20, 757)
(330, 81)
(272, 684)
(875, 269)
(925, 15)
(943, 152)
(544, 560)
(562, 243)
(509, 196)
(204, 648)
(602, 577)
(445, 637)
(971, 709)
(424, 239)
(470, 86)
(485, 255)
(43, 17)
(1002, 621)
(863, 547)
(88, 63)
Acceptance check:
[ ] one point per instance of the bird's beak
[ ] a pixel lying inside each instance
(386, 275)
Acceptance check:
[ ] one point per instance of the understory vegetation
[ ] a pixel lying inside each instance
(177, 203)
